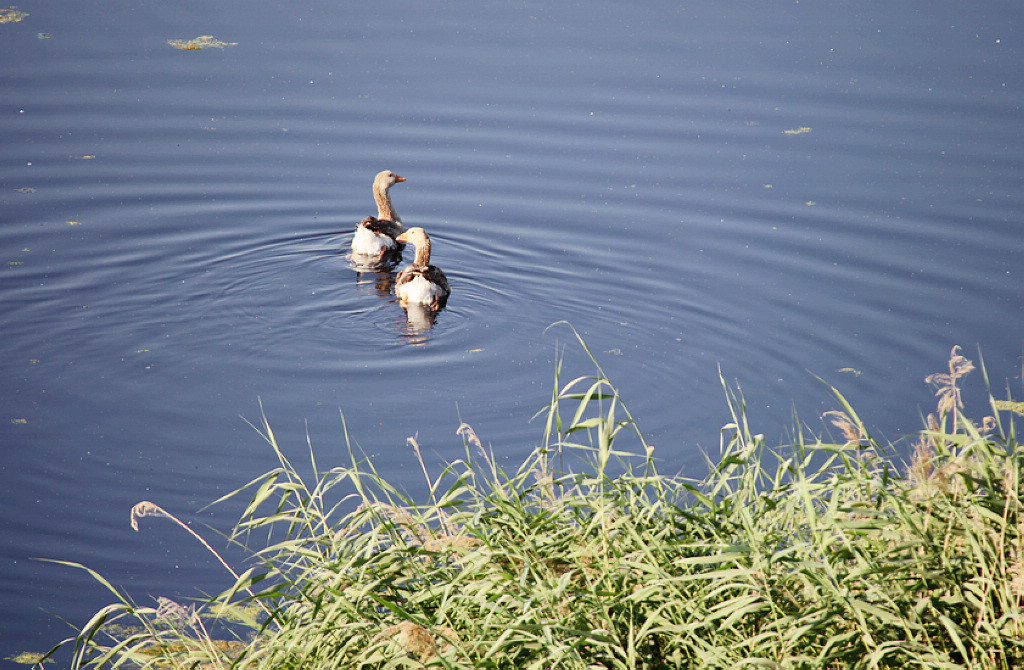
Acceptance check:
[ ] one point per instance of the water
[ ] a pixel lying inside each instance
(639, 172)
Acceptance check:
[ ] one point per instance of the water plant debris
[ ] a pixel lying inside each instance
(201, 42)
(11, 15)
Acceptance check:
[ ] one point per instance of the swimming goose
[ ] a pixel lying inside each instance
(421, 283)
(375, 236)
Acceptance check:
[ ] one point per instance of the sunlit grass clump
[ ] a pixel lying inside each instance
(815, 555)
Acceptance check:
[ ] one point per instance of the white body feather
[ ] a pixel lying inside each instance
(419, 290)
(368, 243)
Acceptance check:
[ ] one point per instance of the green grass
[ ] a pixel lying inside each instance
(812, 555)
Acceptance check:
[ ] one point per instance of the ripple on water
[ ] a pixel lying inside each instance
(269, 294)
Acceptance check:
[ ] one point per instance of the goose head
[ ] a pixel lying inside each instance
(414, 236)
(419, 239)
(385, 180)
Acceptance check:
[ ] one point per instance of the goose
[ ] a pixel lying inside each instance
(375, 236)
(421, 283)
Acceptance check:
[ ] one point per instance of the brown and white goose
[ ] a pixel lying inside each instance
(421, 283)
(375, 236)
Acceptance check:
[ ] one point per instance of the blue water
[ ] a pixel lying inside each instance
(783, 190)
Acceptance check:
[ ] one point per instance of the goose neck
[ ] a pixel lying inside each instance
(385, 210)
(422, 254)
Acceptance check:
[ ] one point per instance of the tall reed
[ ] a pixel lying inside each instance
(819, 554)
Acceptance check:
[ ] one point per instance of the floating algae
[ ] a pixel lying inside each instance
(26, 658)
(201, 42)
(11, 15)
(1008, 405)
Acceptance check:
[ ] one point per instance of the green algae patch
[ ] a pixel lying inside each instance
(201, 42)
(1009, 406)
(11, 15)
(26, 658)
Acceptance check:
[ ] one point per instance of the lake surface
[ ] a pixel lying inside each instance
(781, 189)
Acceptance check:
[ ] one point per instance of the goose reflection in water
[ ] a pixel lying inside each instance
(419, 319)
(382, 281)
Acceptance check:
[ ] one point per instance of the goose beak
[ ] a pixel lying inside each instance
(398, 179)
(401, 238)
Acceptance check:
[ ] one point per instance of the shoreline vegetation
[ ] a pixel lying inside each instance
(819, 554)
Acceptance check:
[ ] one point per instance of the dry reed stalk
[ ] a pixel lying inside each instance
(850, 430)
(146, 508)
(946, 383)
